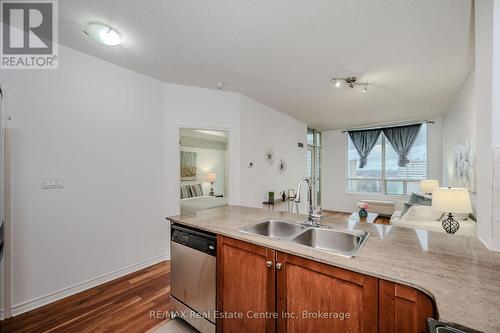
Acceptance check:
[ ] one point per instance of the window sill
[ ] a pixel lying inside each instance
(377, 194)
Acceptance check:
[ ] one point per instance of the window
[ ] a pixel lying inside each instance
(314, 162)
(368, 179)
(382, 173)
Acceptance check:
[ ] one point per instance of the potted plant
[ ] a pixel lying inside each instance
(363, 212)
(270, 197)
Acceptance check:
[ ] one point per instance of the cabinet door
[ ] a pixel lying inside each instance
(316, 298)
(403, 309)
(245, 286)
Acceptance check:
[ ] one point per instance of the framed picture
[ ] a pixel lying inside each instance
(188, 165)
(465, 168)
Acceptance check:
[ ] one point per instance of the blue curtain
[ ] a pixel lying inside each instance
(402, 139)
(364, 141)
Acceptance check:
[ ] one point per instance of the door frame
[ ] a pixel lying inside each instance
(230, 196)
(5, 211)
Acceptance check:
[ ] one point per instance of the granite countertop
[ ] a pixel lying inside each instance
(458, 272)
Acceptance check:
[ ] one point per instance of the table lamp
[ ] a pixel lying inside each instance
(427, 186)
(211, 179)
(451, 200)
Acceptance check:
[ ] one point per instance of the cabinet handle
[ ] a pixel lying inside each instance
(269, 264)
(278, 265)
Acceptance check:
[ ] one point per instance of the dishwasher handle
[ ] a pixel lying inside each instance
(194, 239)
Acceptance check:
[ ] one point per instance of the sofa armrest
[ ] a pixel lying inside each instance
(396, 216)
(399, 205)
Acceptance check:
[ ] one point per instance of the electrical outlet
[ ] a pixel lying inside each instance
(52, 182)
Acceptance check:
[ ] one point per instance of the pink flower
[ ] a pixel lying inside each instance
(363, 205)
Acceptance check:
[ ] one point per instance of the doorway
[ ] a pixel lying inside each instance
(203, 173)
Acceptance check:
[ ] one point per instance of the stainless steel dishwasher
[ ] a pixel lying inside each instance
(193, 269)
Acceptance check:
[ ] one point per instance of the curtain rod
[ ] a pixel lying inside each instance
(388, 125)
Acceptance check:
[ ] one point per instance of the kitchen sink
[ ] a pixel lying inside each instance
(346, 243)
(275, 229)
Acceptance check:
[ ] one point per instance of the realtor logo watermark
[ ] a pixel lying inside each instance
(29, 34)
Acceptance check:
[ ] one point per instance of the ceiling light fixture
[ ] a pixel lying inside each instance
(350, 82)
(103, 34)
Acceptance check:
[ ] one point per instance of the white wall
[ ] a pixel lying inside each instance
(100, 127)
(496, 128)
(484, 82)
(211, 158)
(459, 125)
(335, 196)
(496, 77)
(263, 127)
(485, 85)
(3, 215)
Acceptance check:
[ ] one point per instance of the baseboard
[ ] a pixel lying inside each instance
(79, 287)
(485, 243)
(336, 211)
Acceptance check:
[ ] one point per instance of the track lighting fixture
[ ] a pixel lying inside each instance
(350, 82)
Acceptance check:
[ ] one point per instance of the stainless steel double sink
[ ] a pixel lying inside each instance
(341, 242)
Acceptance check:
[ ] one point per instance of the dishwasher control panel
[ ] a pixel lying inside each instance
(206, 243)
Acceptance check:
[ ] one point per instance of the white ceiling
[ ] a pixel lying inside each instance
(416, 53)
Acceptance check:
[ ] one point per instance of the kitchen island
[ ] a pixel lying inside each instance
(458, 273)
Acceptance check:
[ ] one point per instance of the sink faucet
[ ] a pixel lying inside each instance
(313, 218)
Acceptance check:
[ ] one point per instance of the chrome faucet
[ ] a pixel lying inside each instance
(312, 218)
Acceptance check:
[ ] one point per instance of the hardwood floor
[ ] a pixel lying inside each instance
(344, 216)
(126, 304)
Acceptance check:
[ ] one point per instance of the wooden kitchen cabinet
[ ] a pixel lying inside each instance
(245, 285)
(308, 296)
(321, 298)
(403, 309)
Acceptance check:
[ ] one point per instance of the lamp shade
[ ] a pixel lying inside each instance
(451, 200)
(428, 185)
(211, 177)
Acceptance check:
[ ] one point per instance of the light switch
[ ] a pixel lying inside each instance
(59, 182)
(49, 182)
(46, 182)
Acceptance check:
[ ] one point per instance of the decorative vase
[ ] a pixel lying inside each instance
(363, 214)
